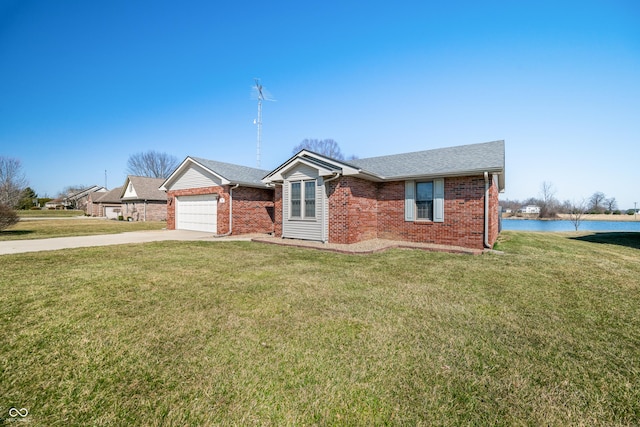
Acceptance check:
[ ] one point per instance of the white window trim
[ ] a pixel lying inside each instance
(303, 216)
(410, 208)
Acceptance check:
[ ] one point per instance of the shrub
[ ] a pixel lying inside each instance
(8, 217)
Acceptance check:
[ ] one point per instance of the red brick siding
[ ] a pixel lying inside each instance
(463, 215)
(361, 210)
(277, 207)
(353, 210)
(252, 208)
(144, 211)
(494, 226)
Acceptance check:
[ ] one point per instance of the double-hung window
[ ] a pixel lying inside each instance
(303, 200)
(295, 199)
(309, 199)
(424, 200)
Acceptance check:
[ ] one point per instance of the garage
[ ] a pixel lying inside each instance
(198, 213)
(112, 212)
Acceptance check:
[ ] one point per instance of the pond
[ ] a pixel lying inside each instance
(566, 225)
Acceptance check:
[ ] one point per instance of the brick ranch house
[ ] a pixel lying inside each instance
(446, 196)
(142, 200)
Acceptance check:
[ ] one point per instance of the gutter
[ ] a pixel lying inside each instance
(335, 176)
(486, 210)
(228, 233)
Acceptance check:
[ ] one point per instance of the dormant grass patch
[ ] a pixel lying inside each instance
(61, 227)
(242, 333)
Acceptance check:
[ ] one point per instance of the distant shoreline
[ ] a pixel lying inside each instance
(585, 217)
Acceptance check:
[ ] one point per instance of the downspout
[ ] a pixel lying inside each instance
(336, 175)
(486, 210)
(145, 211)
(228, 233)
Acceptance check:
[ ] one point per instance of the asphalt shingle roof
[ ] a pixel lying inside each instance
(111, 196)
(147, 188)
(441, 161)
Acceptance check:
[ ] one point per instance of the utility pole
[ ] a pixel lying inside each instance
(635, 211)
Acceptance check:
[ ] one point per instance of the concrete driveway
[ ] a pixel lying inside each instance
(37, 245)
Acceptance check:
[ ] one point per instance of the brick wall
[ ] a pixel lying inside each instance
(463, 215)
(494, 215)
(353, 210)
(144, 211)
(252, 208)
(277, 208)
(361, 210)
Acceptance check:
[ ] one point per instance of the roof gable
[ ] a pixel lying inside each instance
(227, 173)
(142, 188)
(326, 166)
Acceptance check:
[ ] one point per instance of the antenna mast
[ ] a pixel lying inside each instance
(259, 121)
(262, 95)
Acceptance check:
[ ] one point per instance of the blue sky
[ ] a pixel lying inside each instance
(85, 84)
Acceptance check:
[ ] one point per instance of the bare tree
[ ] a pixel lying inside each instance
(548, 208)
(596, 201)
(326, 147)
(12, 181)
(152, 164)
(576, 212)
(611, 204)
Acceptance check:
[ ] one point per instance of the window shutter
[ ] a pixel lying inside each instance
(409, 200)
(438, 200)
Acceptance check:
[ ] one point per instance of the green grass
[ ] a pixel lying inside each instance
(49, 213)
(242, 333)
(47, 228)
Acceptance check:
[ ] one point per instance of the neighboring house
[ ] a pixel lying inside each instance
(446, 196)
(142, 200)
(105, 204)
(54, 204)
(530, 209)
(220, 198)
(79, 199)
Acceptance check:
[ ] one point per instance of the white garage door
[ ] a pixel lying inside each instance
(197, 213)
(112, 212)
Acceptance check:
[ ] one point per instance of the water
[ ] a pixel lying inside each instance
(566, 225)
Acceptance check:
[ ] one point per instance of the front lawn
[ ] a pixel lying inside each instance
(64, 227)
(242, 333)
(49, 213)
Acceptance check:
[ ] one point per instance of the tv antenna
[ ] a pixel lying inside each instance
(263, 95)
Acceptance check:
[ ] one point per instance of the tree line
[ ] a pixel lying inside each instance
(551, 207)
